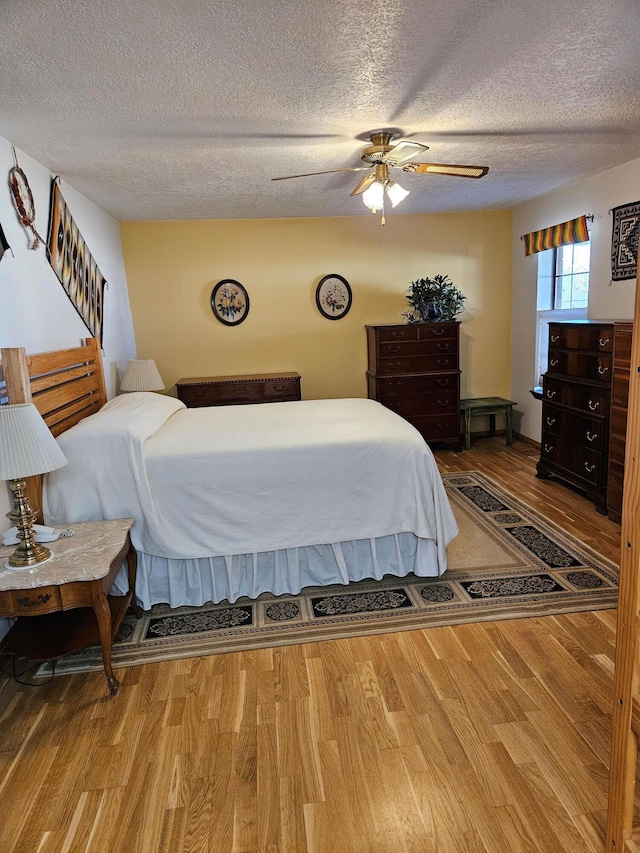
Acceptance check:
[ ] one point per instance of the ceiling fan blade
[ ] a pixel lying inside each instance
(328, 172)
(364, 184)
(402, 151)
(446, 169)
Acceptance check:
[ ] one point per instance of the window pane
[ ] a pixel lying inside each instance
(572, 276)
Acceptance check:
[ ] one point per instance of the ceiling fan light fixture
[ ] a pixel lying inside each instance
(396, 193)
(373, 197)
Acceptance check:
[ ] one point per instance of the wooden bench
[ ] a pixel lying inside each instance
(491, 406)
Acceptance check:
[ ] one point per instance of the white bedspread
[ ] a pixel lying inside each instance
(241, 479)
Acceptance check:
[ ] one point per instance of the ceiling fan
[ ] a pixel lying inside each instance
(382, 155)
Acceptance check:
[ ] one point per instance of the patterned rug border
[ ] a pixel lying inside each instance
(466, 491)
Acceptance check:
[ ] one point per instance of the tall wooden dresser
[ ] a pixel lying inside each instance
(576, 407)
(622, 333)
(414, 370)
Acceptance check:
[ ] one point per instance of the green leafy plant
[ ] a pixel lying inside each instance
(433, 300)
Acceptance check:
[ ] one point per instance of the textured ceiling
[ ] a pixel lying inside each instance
(178, 109)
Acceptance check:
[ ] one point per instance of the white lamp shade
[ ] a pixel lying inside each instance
(396, 193)
(374, 196)
(142, 375)
(26, 445)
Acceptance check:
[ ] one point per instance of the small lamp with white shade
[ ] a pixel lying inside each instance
(142, 375)
(27, 447)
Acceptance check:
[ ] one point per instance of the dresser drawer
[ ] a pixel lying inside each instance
(219, 395)
(281, 389)
(572, 458)
(617, 454)
(436, 404)
(587, 431)
(415, 332)
(437, 427)
(418, 364)
(567, 393)
(424, 384)
(592, 338)
(581, 364)
(620, 389)
(404, 349)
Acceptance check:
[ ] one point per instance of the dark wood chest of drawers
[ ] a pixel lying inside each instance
(239, 390)
(414, 370)
(622, 335)
(575, 410)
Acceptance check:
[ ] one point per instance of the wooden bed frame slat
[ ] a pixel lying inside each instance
(59, 397)
(58, 427)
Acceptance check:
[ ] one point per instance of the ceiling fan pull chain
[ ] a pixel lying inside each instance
(383, 221)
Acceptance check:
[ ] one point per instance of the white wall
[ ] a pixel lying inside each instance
(607, 300)
(35, 311)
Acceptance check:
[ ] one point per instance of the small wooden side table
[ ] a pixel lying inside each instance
(486, 406)
(69, 595)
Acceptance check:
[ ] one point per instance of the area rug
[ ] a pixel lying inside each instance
(507, 562)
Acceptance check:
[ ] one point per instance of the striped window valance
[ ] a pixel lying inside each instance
(573, 231)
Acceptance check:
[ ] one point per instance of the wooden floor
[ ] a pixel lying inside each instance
(489, 737)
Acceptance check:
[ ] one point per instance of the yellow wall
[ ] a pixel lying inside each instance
(172, 268)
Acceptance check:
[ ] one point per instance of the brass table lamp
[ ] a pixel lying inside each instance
(26, 448)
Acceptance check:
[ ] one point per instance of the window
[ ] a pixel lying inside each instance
(571, 284)
(563, 292)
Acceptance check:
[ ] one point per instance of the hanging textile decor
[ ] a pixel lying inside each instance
(564, 234)
(72, 262)
(624, 241)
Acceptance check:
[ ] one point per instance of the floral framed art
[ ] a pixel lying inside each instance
(229, 302)
(333, 296)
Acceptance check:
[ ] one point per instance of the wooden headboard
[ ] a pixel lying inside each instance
(65, 386)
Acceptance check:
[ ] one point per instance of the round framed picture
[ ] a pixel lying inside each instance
(333, 296)
(230, 302)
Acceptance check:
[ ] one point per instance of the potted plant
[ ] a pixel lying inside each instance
(433, 300)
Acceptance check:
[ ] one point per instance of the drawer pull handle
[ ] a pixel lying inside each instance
(393, 348)
(442, 345)
(555, 339)
(602, 343)
(395, 365)
(554, 362)
(588, 467)
(548, 448)
(551, 393)
(443, 383)
(443, 403)
(591, 436)
(602, 370)
(438, 332)
(593, 405)
(41, 599)
(443, 362)
(551, 421)
(279, 388)
(397, 334)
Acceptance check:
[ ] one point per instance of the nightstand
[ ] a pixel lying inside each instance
(64, 604)
(239, 390)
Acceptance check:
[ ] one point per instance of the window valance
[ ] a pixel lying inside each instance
(573, 231)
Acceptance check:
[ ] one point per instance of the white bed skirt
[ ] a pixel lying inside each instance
(197, 581)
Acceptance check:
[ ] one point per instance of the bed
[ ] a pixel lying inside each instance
(238, 500)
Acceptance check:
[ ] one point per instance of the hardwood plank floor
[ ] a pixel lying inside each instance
(487, 738)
